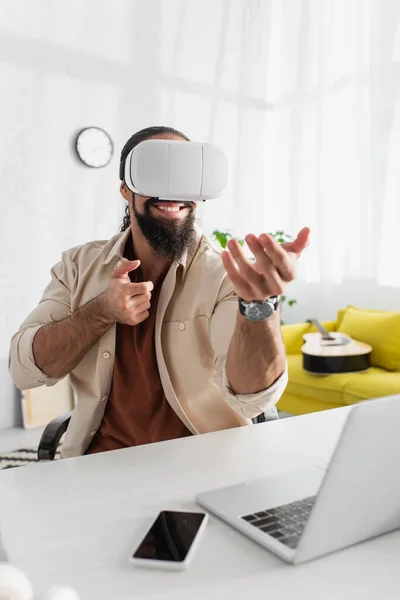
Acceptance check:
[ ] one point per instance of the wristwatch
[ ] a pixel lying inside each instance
(258, 310)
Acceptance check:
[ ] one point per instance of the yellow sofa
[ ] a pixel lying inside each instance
(307, 393)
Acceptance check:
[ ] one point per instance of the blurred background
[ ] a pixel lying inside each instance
(303, 96)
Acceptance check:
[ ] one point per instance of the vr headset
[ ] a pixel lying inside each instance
(175, 170)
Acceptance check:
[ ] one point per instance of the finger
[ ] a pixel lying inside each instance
(263, 261)
(245, 267)
(136, 289)
(141, 317)
(300, 243)
(278, 256)
(124, 267)
(302, 240)
(139, 303)
(241, 285)
(274, 285)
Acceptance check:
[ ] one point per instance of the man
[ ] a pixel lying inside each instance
(148, 326)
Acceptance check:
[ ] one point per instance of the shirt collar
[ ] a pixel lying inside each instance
(183, 263)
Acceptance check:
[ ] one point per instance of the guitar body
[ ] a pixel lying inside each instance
(334, 353)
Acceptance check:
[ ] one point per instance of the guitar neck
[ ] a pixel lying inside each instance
(324, 332)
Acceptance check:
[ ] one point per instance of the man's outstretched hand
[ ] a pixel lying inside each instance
(274, 266)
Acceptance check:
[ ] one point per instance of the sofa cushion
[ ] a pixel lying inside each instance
(297, 405)
(379, 329)
(340, 315)
(339, 389)
(372, 384)
(326, 388)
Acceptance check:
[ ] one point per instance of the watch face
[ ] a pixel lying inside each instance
(94, 147)
(256, 310)
(260, 312)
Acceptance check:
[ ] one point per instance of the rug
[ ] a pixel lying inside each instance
(20, 458)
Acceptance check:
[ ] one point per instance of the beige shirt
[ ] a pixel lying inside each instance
(196, 317)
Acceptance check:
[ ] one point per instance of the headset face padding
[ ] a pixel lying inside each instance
(176, 170)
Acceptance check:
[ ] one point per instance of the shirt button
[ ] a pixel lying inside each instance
(106, 355)
(181, 326)
(92, 433)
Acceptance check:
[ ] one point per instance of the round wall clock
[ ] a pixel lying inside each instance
(94, 147)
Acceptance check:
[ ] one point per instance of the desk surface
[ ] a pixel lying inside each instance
(74, 522)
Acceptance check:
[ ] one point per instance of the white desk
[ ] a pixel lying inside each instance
(74, 522)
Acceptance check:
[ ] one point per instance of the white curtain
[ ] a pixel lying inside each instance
(303, 95)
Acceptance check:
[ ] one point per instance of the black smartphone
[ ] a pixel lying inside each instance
(171, 540)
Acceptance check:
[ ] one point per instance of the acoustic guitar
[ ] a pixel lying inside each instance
(329, 352)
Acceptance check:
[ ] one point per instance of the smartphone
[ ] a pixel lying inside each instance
(171, 540)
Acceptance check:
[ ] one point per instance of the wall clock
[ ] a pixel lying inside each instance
(94, 147)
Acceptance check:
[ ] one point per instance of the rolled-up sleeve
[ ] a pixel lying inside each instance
(54, 305)
(222, 326)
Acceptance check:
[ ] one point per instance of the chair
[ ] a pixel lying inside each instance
(54, 431)
(52, 435)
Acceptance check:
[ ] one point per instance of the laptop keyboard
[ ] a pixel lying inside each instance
(285, 523)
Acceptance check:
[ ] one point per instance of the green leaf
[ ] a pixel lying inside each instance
(221, 237)
(280, 236)
(224, 236)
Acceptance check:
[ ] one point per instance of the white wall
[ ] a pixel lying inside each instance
(121, 65)
(63, 66)
(322, 301)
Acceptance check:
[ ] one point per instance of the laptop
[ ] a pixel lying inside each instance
(307, 513)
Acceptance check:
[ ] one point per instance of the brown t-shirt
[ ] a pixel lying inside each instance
(137, 411)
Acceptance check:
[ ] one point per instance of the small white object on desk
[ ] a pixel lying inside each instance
(14, 584)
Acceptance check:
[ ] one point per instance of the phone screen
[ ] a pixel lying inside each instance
(170, 537)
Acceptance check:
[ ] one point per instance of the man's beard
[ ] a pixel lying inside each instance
(169, 238)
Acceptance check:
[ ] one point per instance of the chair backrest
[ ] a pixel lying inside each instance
(270, 414)
(52, 435)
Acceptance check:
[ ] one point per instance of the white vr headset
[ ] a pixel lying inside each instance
(175, 170)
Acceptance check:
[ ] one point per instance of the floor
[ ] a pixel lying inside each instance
(15, 438)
